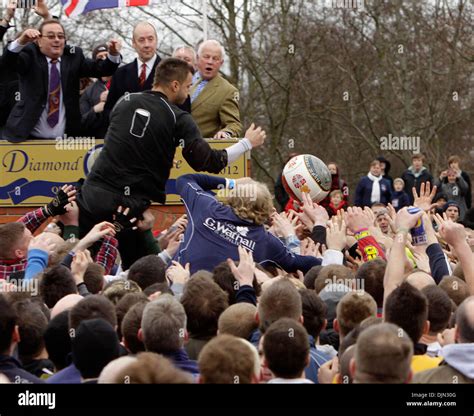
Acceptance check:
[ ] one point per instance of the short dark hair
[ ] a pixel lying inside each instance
(203, 301)
(172, 69)
(147, 271)
(124, 305)
(224, 277)
(163, 288)
(117, 289)
(372, 275)
(439, 308)
(94, 278)
(465, 321)
(311, 275)
(131, 323)
(286, 348)
(314, 312)
(407, 307)
(32, 325)
(418, 156)
(10, 235)
(8, 321)
(92, 307)
(50, 22)
(56, 283)
(58, 341)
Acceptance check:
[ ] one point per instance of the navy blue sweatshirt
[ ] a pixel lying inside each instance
(215, 232)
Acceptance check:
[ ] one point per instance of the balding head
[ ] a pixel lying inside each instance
(64, 304)
(420, 280)
(145, 41)
(114, 368)
(465, 321)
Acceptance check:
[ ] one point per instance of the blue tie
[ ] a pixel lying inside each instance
(198, 90)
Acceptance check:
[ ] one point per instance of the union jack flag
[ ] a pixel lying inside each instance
(74, 8)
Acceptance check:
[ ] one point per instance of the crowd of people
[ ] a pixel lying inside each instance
(234, 291)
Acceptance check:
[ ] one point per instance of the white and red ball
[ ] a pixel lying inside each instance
(307, 173)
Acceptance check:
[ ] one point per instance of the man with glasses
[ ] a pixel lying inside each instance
(214, 101)
(49, 72)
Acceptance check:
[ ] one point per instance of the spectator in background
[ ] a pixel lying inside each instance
(337, 203)
(454, 162)
(452, 210)
(400, 198)
(452, 184)
(215, 102)
(138, 75)
(385, 165)
(187, 54)
(9, 77)
(337, 184)
(373, 188)
(415, 175)
(48, 110)
(93, 100)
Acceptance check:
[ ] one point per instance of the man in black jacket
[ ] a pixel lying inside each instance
(49, 73)
(415, 175)
(136, 76)
(135, 163)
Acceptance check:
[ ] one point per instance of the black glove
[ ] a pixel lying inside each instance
(57, 204)
(123, 221)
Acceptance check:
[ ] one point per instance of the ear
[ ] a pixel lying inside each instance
(307, 361)
(325, 324)
(456, 334)
(140, 335)
(257, 318)
(20, 254)
(409, 377)
(352, 368)
(301, 320)
(16, 335)
(335, 325)
(426, 327)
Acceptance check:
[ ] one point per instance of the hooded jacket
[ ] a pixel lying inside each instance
(458, 365)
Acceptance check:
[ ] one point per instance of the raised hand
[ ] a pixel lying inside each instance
(424, 201)
(246, 270)
(64, 197)
(256, 136)
(122, 221)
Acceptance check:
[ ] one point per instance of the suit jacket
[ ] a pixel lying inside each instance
(125, 80)
(217, 108)
(32, 67)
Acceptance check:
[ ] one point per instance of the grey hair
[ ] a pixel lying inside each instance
(211, 42)
(164, 325)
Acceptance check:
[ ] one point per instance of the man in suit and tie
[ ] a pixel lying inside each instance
(215, 102)
(49, 73)
(136, 76)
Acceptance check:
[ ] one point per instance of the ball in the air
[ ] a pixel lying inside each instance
(307, 173)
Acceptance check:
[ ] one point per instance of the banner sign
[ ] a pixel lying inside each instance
(32, 172)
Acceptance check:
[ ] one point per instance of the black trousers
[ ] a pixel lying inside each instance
(97, 205)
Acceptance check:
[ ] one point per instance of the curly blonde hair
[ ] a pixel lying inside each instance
(251, 201)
